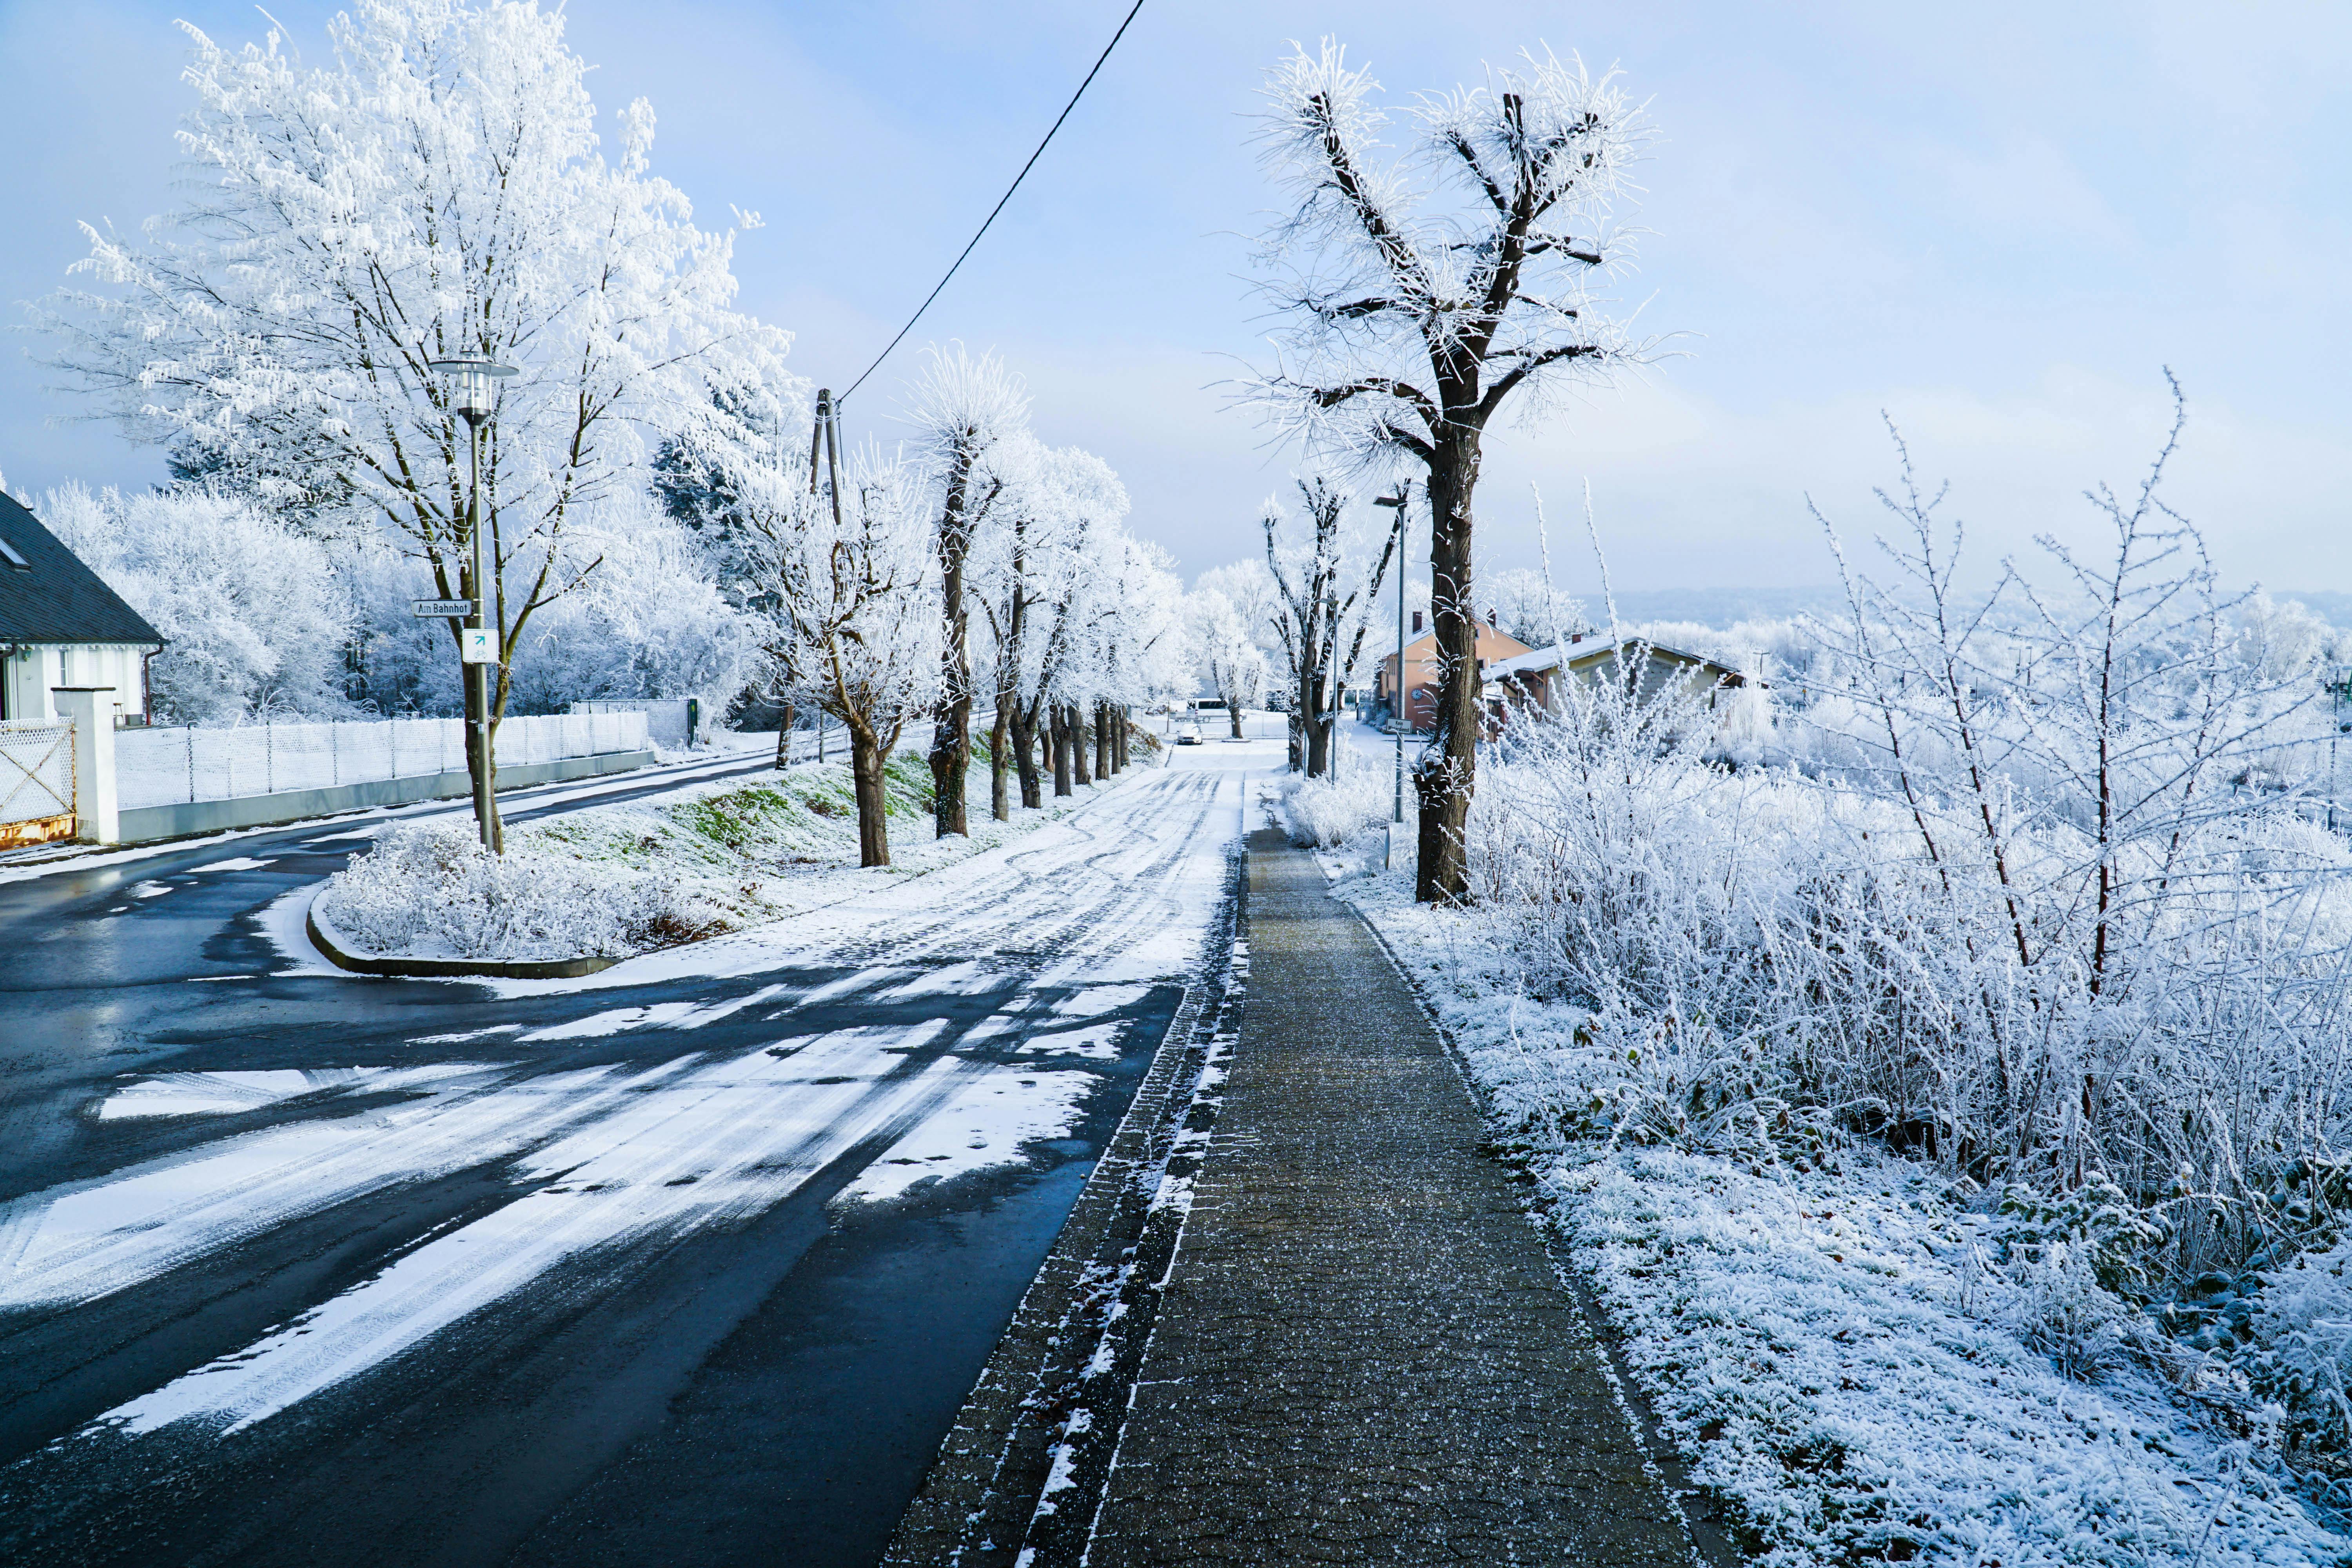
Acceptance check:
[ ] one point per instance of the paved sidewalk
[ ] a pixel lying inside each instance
(1363, 1354)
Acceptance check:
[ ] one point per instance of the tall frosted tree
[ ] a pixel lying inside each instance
(1421, 295)
(1325, 593)
(964, 409)
(439, 190)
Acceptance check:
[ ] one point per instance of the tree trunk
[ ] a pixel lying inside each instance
(1078, 745)
(1317, 723)
(950, 765)
(1233, 717)
(1102, 741)
(866, 760)
(999, 737)
(1126, 734)
(784, 740)
(1024, 755)
(1448, 774)
(952, 731)
(1058, 736)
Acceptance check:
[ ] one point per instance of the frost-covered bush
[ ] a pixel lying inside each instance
(433, 890)
(612, 879)
(2044, 912)
(1327, 812)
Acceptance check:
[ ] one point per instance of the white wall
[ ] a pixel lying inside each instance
(27, 682)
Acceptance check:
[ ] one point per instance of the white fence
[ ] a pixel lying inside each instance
(171, 766)
(37, 771)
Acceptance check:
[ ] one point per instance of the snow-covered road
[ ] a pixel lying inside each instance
(712, 1241)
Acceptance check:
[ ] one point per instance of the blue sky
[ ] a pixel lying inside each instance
(1998, 223)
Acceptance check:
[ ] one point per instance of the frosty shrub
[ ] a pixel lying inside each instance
(2038, 908)
(2299, 1330)
(1327, 812)
(433, 890)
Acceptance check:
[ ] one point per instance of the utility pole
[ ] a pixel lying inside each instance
(1396, 690)
(471, 377)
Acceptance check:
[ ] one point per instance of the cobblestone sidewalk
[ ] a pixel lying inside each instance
(1363, 1354)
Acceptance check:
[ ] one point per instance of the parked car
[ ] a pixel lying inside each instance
(1190, 734)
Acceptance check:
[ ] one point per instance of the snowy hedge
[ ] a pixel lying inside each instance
(612, 879)
(432, 891)
(1326, 813)
(639, 875)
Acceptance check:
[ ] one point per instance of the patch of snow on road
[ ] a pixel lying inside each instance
(468, 1035)
(1093, 1001)
(282, 924)
(223, 1093)
(970, 978)
(683, 1145)
(613, 1021)
(1099, 1041)
(242, 863)
(990, 1118)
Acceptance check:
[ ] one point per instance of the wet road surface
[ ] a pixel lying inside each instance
(692, 1261)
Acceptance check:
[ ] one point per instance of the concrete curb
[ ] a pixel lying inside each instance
(446, 968)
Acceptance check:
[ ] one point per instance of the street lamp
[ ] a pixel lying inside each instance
(1396, 692)
(469, 393)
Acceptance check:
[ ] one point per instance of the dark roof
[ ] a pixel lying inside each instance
(59, 600)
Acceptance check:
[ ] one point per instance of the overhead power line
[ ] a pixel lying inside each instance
(1015, 186)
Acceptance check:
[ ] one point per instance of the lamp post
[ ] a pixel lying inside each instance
(469, 395)
(1396, 692)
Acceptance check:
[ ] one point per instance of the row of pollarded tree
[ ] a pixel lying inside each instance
(903, 585)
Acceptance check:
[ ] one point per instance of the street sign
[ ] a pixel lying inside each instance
(428, 607)
(478, 645)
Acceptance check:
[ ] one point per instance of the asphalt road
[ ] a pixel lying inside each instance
(693, 1260)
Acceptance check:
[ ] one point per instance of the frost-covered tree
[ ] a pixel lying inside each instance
(1421, 296)
(1231, 661)
(1041, 588)
(653, 622)
(857, 619)
(1526, 607)
(438, 190)
(964, 409)
(1325, 587)
(255, 616)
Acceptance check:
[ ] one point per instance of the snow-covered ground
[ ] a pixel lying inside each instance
(1828, 1341)
(995, 987)
(1829, 1347)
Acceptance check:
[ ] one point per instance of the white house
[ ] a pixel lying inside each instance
(61, 627)
(1533, 676)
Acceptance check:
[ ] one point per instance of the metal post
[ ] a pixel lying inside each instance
(1397, 704)
(1398, 818)
(470, 376)
(484, 774)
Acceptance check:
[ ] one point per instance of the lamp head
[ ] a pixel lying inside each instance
(469, 377)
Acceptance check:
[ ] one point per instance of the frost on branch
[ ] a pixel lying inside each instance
(1475, 250)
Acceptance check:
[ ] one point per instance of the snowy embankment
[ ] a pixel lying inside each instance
(1828, 1333)
(641, 875)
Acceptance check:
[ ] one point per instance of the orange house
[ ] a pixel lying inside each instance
(1420, 670)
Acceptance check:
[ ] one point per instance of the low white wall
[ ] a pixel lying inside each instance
(180, 766)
